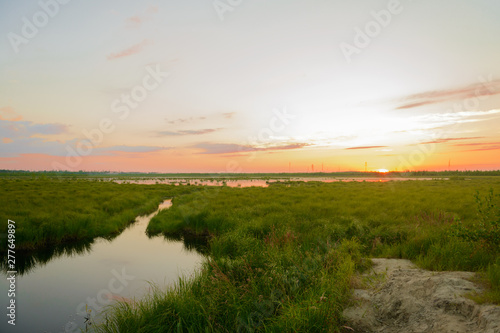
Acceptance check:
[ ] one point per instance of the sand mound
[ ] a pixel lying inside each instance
(404, 298)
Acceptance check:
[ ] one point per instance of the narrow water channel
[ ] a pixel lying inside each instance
(51, 296)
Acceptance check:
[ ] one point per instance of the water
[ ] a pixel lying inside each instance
(262, 182)
(53, 287)
(171, 181)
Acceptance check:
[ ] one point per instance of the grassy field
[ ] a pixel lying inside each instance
(51, 211)
(282, 258)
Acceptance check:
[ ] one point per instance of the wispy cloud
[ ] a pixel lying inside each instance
(433, 121)
(495, 147)
(229, 148)
(225, 115)
(434, 97)
(27, 137)
(229, 115)
(444, 140)
(366, 147)
(184, 120)
(455, 116)
(7, 113)
(25, 129)
(476, 144)
(479, 146)
(127, 149)
(135, 22)
(188, 132)
(134, 49)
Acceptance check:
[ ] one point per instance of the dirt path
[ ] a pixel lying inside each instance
(404, 298)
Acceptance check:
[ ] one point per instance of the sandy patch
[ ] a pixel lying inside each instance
(404, 298)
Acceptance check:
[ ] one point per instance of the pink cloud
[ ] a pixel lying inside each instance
(134, 22)
(366, 147)
(129, 51)
(434, 97)
(152, 9)
(9, 114)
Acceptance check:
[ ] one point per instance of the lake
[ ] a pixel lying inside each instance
(261, 182)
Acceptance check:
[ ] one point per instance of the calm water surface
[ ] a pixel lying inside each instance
(261, 182)
(51, 296)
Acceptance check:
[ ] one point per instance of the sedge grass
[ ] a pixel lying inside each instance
(280, 258)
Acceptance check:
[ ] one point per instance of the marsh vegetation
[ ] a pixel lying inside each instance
(280, 258)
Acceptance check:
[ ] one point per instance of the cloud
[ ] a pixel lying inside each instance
(152, 10)
(451, 139)
(7, 113)
(225, 115)
(127, 149)
(477, 144)
(184, 120)
(188, 132)
(229, 115)
(19, 146)
(22, 137)
(135, 22)
(495, 147)
(25, 129)
(228, 148)
(366, 147)
(433, 97)
(129, 51)
(433, 121)
(454, 116)
(482, 146)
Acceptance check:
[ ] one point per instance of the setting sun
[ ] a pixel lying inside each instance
(383, 170)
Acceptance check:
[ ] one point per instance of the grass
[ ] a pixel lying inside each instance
(490, 281)
(269, 285)
(283, 258)
(49, 211)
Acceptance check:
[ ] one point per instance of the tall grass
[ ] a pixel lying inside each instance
(281, 258)
(267, 285)
(48, 211)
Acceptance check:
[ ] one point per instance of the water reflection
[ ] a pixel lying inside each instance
(203, 182)
(55, 285)
(263, 182)
(191, 242)
(28, 261)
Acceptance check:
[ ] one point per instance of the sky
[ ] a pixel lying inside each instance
(249, 85)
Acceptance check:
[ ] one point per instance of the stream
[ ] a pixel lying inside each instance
(54, 287)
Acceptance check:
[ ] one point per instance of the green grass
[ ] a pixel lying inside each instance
(268, 284)
(49, 211)
(282, 258)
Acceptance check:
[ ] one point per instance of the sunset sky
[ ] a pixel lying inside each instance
(249, 85)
